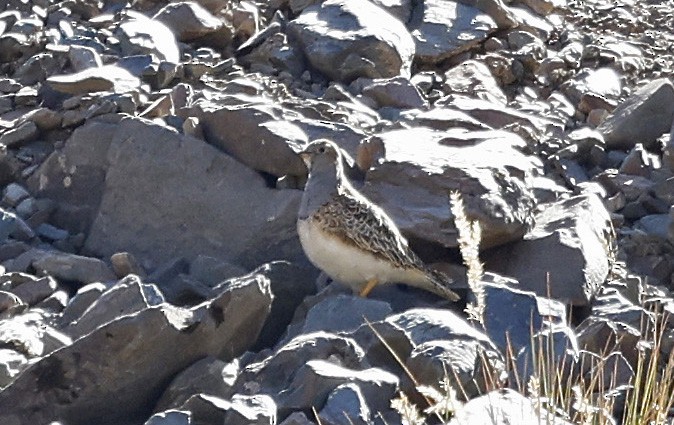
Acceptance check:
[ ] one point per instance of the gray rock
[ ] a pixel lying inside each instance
(207, 409)
(211, 271)
(34, 291)
(642, 117)
(511, 314)
(347, 39)
(290, 284)
(83, 57)
(128, 296)
(554, 345)
(13, 194)
(142, 36)
(104, 78)
(344, 313)
(124, 263)
(473, 78)
(256, 136)
(31, 335)
(114, 372)
(51, 233)
(345, 405)
(254, 409)
(187, 218)
(443, 29)
(203, 376)
(10, 304)
(297, 418)
(170, 417)
(502, 407)
(315, 380)
(413, 182)
(396, 92)
(22, 134)
(430, 342)
(85, 296)
(578, 231)
(189, 21)
(73, 267)
(11, 364)
(276, 372)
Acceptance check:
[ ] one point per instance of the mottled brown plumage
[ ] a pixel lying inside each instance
(350, 238)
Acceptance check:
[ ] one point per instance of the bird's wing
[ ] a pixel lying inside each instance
(368, 227)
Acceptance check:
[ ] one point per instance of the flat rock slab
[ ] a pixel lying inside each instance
(257, 136)
(105, 78)
(641, 118)
(442, 29)
(119, 370)
(166, 196)
(421, 166)
(565, 254)
(347, 39)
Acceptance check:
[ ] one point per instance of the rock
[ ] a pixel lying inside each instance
(473, 78)
(511, 315)
(396, 92)
(10, 304)
(345, 404)
(256, 136)
(430, 342)
(254, 409)
(641, 118)
(73, 267)
(578, 231)
(189, 21)
(315, 380)
(85, 296)
(105, 78)
(413, 181)
(124, 263)
(347, 39)
(11, 365)
(22, 134)
(203, 376)
(276, 373)
(31, 335)
(343, 313)
(501, 407)
(211, 271)
(34, 291)
(553, 345)
(51, 233)
(141, 36)
(442, 30)
(140, 154)
(290, 284)
(127, 297)
(13, 194)
(118, 371)
(83, 57)
(207, 409)
(170, 417)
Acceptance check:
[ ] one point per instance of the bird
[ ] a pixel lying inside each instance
(350, 238)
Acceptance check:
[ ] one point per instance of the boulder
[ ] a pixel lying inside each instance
(119, 370)
(578, 231)
(641, 118)
(443, 29)
(108, 173)
(412, 183)
(257, 136)
(188, 20)
(347, 39)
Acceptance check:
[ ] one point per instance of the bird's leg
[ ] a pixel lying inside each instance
(369, 286)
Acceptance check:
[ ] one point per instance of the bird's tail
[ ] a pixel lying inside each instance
(440, 284)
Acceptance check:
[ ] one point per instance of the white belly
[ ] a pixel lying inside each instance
(345, 263)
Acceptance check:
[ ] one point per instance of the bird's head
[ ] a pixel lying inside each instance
(321, 152)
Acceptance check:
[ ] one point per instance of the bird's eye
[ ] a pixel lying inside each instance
(321, 149)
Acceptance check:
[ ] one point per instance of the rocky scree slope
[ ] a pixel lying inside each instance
(151, 271)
